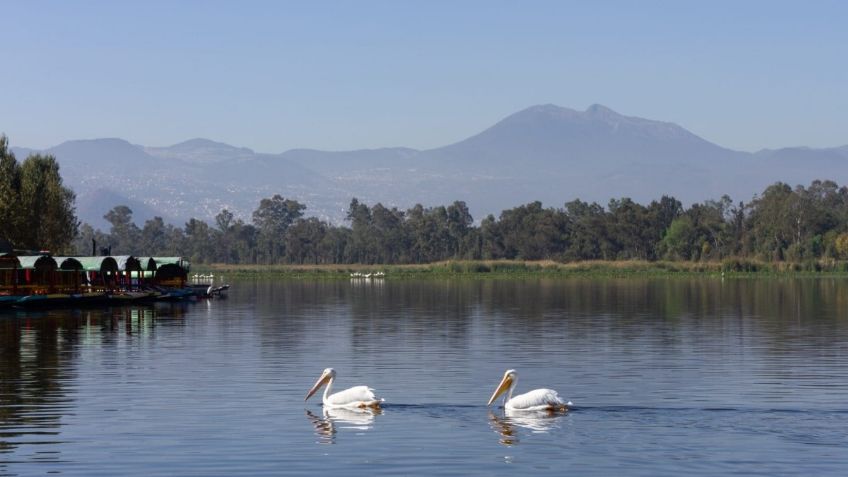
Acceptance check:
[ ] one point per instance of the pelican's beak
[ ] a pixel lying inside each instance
(321, 381)
(505, 384)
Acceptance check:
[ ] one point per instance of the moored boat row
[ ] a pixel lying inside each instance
(45, 281)
(55, 300)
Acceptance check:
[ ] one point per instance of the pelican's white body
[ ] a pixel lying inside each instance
(355, 397)
(535, 400)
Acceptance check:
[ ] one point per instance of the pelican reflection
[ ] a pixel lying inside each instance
(333, 419)
(509, 424)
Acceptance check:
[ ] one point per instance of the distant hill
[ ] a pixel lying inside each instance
(544, 152)
(201, 151)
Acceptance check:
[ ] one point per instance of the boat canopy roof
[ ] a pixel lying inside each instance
(128, 263)
(8, 260)
(68, 263)
(147, 263)
(91, 264)
(98, 264)
(37, 262)
(179, 261)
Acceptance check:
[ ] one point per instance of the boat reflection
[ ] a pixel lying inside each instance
(327, 425)
(509, 423)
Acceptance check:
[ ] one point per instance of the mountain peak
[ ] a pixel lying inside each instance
(541, 112)
(595, 111)
(203, 143)
(108, 145)
(598, 133)
(546, 108)
(200, 151)
(103, 141)
(600, 110)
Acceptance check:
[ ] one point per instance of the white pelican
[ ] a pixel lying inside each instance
(535, 400)
(355, 397)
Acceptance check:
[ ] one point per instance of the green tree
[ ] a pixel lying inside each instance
(124, 234)
(629, 228)
(531, 232)
(244, 239)
(200, 240)
(588, 239)
(842, 245)
(679, 239)
(10, 188)
(303, 241)
(223, 220)
(46, 207)
(153, 237)
(459, 221)
(782, 218)
(359, 216)
(388, 234)
(272, 218)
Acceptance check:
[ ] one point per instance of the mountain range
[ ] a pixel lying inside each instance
(546, 152)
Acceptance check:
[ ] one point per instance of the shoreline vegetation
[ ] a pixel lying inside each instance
(536, 268)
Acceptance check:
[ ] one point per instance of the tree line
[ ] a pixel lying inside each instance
(781, 224)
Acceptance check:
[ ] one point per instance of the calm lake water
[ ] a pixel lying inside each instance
(669, 377)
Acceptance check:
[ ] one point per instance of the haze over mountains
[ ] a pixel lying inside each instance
(547, 153)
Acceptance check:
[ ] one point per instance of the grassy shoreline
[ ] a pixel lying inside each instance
(519, 268)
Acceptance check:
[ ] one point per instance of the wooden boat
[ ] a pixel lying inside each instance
(175, 294)
(8, 301)
(48, 300)
(89, 299)
(132, 296)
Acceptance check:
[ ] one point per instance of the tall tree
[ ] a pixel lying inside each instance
(10, 188)
(223, 220)
(459, 226)
(46, 206)
(124, 234)
(153, 237)
(272, 218)
(589, 237)
(359, 216)
(200, 240)
(303, 241)
(772, 224)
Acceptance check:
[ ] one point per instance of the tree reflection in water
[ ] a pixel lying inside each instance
(39, 350)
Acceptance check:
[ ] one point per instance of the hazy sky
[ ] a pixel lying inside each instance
(343, 75)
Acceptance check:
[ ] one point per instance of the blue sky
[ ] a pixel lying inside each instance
(344, 75)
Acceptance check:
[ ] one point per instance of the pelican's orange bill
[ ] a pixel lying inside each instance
(321, 381)
(506, 382)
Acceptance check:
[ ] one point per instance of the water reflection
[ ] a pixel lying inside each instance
(206, 387)
(332, 419)
(507, 425)
(39, 351)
